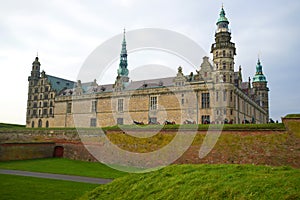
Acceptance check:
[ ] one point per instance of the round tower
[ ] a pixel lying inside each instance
(223, 51)
(261, 89)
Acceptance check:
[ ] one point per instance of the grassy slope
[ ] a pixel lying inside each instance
(5, 125)
(205, 182)
(64, 166)
(18, 187)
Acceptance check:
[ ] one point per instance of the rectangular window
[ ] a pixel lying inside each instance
(217, 96)
(152, 120)
(205, 119)
(224, 95)
(69, 107)
(120, 121)
(231, 95)
(205, 100)
(94, 106)
(120, 105)
(93, 122)
(45, 104)
(153, 103)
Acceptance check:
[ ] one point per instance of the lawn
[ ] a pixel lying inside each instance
(205, 182)
(19, 187)
(64, 166)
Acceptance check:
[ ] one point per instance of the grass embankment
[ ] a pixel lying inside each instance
(5, 125)
(19, 187)
(205, 182)
(292, 116)
(64, 166)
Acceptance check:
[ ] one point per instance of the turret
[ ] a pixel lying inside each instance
(259, 84)
(223, 51)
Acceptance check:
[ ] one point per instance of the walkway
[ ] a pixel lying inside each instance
(82, 179)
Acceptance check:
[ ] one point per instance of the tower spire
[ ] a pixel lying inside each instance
(123, 71)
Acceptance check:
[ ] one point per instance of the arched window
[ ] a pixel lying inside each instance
(224, 78)
(32, 124)
(224, 53)
(40, 123)
(47, 124)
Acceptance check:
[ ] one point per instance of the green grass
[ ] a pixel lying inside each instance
(292, 116)
(5, 125)
(205, 182)
(64, 166)
(19, 187)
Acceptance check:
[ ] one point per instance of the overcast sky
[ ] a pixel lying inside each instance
(65, 33)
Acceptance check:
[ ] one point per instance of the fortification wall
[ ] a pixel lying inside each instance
(265, 147)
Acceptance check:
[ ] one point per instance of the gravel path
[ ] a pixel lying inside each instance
(82, 179)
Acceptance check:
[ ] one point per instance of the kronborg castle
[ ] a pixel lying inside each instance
(214, 93)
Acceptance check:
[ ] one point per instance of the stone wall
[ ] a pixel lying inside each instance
(23, 151)
(264, 147)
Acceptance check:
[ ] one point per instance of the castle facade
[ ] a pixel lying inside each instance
(213, 94)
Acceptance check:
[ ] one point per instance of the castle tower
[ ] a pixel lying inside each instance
(123, 71)
(33, 80)
(261, 89)
(223, 51)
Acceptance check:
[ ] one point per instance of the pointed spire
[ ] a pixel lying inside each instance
(259, 76)
(123, 71)
(222, 17)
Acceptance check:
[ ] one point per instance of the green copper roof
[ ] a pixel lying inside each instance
(222, 17)
(123, 71)
(59, 84)
(259, 76)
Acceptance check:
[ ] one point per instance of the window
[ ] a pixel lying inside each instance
(224, 95)
(46, 96)
(205, 74)
(224, 53)
(32, 124)
(230, 66)
(35, 98)
(217, 66)
(231, 95)
(69, 107)
(217, 96)
(224, 65)
(40, 123)
(120, 121)
(93, 122)
(217, 53)
(94, 106)
(230, 53)
(36, 90)
(34, 112)
(230, 78)
(41, 96)
(153, 103)
(34, 104)
(45, 104)
(46, 89)
(205, 119)
(50, 111)
(217, 79)
(205, 100)
(47, 124)
(152, 120)
(231, 112)
(224, 78)
(120, 105)
(182, 99)
(51, 103)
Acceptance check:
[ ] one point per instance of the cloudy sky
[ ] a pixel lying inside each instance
(64, 33)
